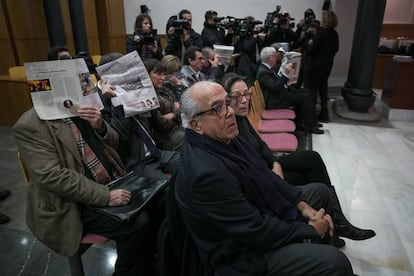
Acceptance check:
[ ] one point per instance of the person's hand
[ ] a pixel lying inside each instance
(154, 47)
(174, 80)
(310, 42)
(277, 169)
(321, 223)
(169, 116)
(306, 210)
(288, 68)
(186, 35)
(328, 219)
(176, 106)
(92, 115)
(108, 90)
(119, 197)
(215, 61)
(137, 38)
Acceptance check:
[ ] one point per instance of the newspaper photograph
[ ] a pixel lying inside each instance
(294, 58)
(59, 87)
(225, 52)
(132, 83)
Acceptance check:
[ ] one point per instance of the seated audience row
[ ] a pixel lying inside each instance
(230, 189)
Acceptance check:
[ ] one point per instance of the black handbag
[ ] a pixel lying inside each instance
(142, 191)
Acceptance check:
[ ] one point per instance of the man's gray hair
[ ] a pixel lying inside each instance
(188, 107)
(266, 53)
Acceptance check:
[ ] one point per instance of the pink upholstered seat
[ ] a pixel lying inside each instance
(274, 126)
(280, 142)
(94, 238)
(279, 114)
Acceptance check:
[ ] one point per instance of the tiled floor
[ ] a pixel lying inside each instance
(371, 166)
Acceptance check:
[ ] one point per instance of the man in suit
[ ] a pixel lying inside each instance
(193, 63)
(244, 219)
(69, 162)
(278, 94)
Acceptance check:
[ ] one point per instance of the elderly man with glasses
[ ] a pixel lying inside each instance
(243, 218)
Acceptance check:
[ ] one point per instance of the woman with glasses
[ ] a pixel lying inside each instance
(297, 168)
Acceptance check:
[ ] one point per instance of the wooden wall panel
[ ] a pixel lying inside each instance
(91, 24)
(393, 31)
(111, 22)
(6, 53)
(29, 29)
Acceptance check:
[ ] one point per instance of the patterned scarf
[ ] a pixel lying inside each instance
(95, 166)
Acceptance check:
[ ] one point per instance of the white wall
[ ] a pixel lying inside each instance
(399, 11)
(162, 10)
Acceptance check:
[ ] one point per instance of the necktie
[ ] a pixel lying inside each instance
(149, 143)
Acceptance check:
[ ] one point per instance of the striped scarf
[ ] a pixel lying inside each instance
(94, 165)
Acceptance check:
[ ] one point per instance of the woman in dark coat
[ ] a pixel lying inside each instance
(320, 57)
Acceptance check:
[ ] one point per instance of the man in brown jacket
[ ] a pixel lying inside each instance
(67, 161)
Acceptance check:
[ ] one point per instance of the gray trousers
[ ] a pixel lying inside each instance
(308, 258)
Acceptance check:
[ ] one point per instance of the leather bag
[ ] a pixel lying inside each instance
(142, 191)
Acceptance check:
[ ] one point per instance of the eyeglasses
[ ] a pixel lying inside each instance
(239, 97)
(220, 110)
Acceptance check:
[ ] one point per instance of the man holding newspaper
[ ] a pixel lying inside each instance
(278, 94)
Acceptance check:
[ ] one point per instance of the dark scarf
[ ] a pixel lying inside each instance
(264, 189)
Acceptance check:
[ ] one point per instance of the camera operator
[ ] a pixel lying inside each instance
(181, 35)
(248, 47)
(303, 25)
(303, 43)
(212, 33)
(145, 39)
(282, 31)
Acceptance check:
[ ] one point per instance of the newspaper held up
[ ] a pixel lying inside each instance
(225, 52)
(59, 87)
(132, 83)
(295, 59)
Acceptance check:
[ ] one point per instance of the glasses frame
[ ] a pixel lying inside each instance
(239, 96)
(217, 110)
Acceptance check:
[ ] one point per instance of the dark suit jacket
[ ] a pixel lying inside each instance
(218, 212)
(275, 91)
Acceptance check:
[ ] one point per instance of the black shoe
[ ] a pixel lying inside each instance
(349, 231)
(4, 219)
(4, 194)
(316, 130)
(337, 242)
(323, 117)
(319, 125)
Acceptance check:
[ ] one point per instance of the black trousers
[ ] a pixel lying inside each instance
(309, 258)
(301, 99)
(317, 81)
(302, 167)
(132, 240)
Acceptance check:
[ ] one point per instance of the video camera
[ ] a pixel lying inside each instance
(147, 38)
(179, 24)
(242, 26)
(283, 18)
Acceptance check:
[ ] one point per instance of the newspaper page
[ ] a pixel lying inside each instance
(59, 87)
(132, 83)
(225, 52)
(295, 59)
